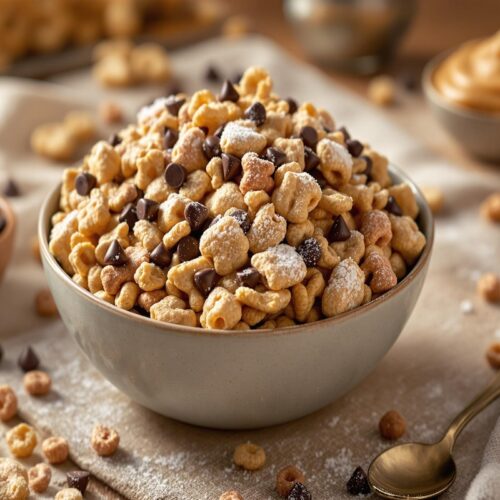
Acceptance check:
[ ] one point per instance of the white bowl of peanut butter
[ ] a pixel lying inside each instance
(463, 89)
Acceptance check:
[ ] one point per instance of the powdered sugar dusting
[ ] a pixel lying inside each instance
(151, 110)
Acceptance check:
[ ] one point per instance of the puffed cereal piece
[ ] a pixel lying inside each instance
(68, 494)
(250, 315)
(82, 258)
(362, 196)
(119, 233)
(44, 304)
(107, 297)
(353, 247)
(147, 299)
(148, 234)
(293, 148)
(80, 281)
(336, 162)
(286, 479)
(256, 82)
(212, 115)
(493, 355)
(188, 150)
(104, 440)
(382, 90)
(172, 309)
(379, 167)
(127, 296)
(226, 197)
(94, 217)
(297, 233)
(104, 162)
(231, 495)
(150, 63)
(150, 165)
(345, 289)
(21, 440)
(39, 477)
(54, 141)
(328, 259)
(94, 279)
(110, 112)
(367, 295)
(304, 294)
(254, 200)
(434, 198)
(176, 233)
(171, 211)
(158, 190)
(378, 272)
(55, 449)
(149, 277)
(60, 238)
(490, 208)
(257, 174)
(240, 138)
(281, 266)
(13, 480)
(225, 243)
(221, 310)
(37, 383)
(267, 230)
(405, 198)
(269, 302)
(376, 228)
(406, 239)
(335, 202)
(81, 125)
(297, 196)
(249, 456)
(8, 403)
(398, 265)
(488, 287)
(196, 185)
(215, 172)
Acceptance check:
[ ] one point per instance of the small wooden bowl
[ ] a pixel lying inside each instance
(7, 235)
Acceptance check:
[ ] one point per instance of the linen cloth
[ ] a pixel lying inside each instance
(431, 373)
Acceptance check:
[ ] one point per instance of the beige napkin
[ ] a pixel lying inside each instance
(435, 368)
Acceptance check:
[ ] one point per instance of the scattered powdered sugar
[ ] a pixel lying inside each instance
(467, 307)
(333, 422)
(341, 463)
(151, 110)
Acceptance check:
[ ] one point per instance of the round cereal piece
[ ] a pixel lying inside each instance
(249, 456)
(55, 449)
(488, 287)
(493, 355)
(8, 403)
(104, 440)
(44, 304)
(286, 479)
(37, 383)
(68, 494)
(434, 197)
(39, 477)
(490, 208)
(231, 495)
(13, 480)
(21, 440)
(392, 425)
(382, 90)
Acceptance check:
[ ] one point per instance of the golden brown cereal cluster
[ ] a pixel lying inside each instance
(249, 456)
(13, 480)
(104, 440)
(21, 440)
(392, 425)
(39, 477)
(237, 211)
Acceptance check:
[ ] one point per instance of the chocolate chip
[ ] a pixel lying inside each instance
(160, 256)
(114, 140)
(3, 222)
(205, 280)
(196, 214)
(310, 251)
(188, 248)
(345, 132)
(299, 492)
(211, 147)
(249, 277)
(147, 209)
(319, 178)
(354, 147)
(228, 92)
(212, 74)
(128, 215)
(393, 207)
(115, 256)
(1, 353)
(174, 104)
(358, 483)
(369, 164)
(339, 231)
(11, 189)
(292, 105)
(84, 183)
(218, 132)
(170, 138)
(28, 360)
(311, 159)
(276, 156)
(257, 113)
(231, 166)
(309, 136)
(175, 175)
(216, 219)
(78, 479)
(204, 130)
(243, 220)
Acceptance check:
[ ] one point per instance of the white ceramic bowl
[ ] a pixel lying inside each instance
(234, 380)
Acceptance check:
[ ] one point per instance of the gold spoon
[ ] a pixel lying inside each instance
(417, 470)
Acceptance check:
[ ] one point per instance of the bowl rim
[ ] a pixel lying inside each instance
(433, 95)
(8, 231)
(418, 267)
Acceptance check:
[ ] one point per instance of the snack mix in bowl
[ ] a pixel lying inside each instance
(237, 211)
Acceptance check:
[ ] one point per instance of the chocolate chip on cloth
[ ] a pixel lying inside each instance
(299, 492)
(147, 209)
(188, 248)
(257, 113)
(78, 479)
(249, 277)
(28, 360)
(339, 231)
(173, 104)
(11, 190)
(310, 251)
(175, 175)
(231, 166)
(358, 483)
(115, 256)
(160, 256)
(206, 280)
(196, 214)
(228, 92)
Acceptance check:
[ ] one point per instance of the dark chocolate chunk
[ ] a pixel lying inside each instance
(129, 215)
(228, 92)
(231, 166)
(212, 74)
(114, 140)
(211, 146)
(84, 183)
(292, 105)
(205, 280)
(78, 479)
(204, 130)
(174, 104)
(160, 256)
(369, 164)
(243, 219)
(196, 214)
(147, 209)
(216, 219)
(11, 189)
(393, 207)
(188, 248)
(310, 251)
(28, 360)
(345, 132)
(354, 147)
(311, 159)
(175, 175)
(358, 483)
(1, 353)
(309, 136)
(115, 256)
(257, 113)
(276, 156)
(170, 138)
(299, 492)
(218, 132)
(339, 231)
(249, 277)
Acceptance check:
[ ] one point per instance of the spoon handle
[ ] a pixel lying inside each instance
(476, 406)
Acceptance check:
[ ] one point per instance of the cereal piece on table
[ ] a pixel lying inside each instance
(54, 141)
(113, 71)
(68, 494)
(249, 456)
(490, 208)
(13, 480)
(493, 355)
(78, 479)
(8, 403)
(382, 90)
(299, 492)
(104, 440)
(21, 440)
(221, 310)
(81, 125)
(37, 383)
(488, 287)
(434, 197)
(110, 112)
(55, 449)
(44, 304)
(231, 495)
(39, 477)
(392, 425)
(150, 63)
(286, 479)
(358, 483)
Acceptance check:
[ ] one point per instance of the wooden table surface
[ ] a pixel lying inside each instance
(438, 25)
